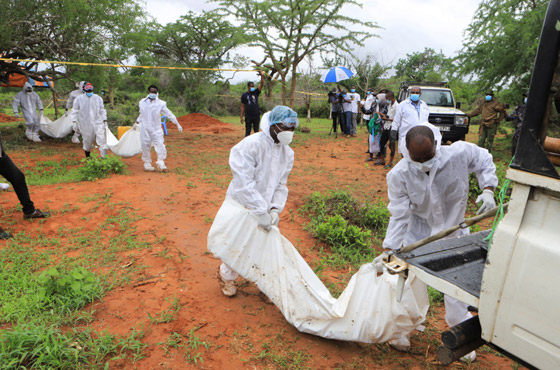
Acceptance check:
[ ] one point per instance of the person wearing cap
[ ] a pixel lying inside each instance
(517, 118)
(151, 133)
(73, 95)
(29, 102)
(260, 165)
(250, 111)
(90, 116)
(491, 113)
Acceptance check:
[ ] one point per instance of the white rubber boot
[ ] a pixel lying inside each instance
(148, 167)
(161, 166)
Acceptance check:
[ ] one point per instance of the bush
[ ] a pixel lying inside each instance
(345, 225)
(67, 291)
(99, 168)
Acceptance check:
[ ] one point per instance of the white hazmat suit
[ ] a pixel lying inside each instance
(260, 170)
(151, 132)
(90, 115)
(73, 95)
(422, 204)
(406, 117)
(29, 102)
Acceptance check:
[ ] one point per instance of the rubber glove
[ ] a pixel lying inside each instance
(274, 217)
(487, 199)
(105, 124)
(179, 127)
(378, 263)
(16, 114)
(265, 221)
(41, 111)
(74, 126)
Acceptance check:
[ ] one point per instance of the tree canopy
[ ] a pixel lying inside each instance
(501, 42)
(289, 31)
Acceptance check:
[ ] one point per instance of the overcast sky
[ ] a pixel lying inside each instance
(407, 25)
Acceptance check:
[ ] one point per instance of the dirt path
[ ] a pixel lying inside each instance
(245, 332)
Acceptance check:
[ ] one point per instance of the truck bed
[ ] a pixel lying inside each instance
(458, 261)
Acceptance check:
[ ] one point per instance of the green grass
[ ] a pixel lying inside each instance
(44, 290)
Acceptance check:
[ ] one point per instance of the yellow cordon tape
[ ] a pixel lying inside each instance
(143, 67)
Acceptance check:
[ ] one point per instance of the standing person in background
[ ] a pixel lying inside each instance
(89, 113)
(250, 111)
(410, 112)
(391, 109)
(334, 101)
(347, 113)
(370, 100)
(29, 102)
(151, 134)
(375, 125)
(517, 118)
(73, 95)
(491, 113)
(355, 98)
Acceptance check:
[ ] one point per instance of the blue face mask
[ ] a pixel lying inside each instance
(369, 92)
(377, 101)
(525, 101)
(488, 97)
(252, 89)
(343, 95)
(414, 97)
(89, 93)
(353, 90)
(152, 96)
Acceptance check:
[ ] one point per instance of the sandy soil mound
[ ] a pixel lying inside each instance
(6, 118)
(203, 122)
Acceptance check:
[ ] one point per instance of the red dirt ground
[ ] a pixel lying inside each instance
(180, 205)
(6, 118)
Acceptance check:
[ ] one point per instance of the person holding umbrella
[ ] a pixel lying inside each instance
(335, 75)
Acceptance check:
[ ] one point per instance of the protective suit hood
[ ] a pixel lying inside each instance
(26, 85)
(437, 137)
(265, 126)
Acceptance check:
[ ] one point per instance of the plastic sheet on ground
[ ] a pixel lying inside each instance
(59, 128)
(367, 311)
(128, 146)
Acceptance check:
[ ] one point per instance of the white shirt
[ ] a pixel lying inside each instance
(355, 99)
(423, 204)
(407, 116)
(370, 99)
(391, 111)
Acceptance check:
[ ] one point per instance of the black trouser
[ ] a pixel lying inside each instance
(252, 122)
(385, 136)
(15, 177)
(336, 119)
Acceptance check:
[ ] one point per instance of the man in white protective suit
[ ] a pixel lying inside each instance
(151, 132)
(428, 192)
(73, 95)
(29, 101)
(410, 112)
(260, 164)
(90, 116)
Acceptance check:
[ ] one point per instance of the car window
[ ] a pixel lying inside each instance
(441, 98)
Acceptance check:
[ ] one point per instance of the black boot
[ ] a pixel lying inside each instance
(87, 153)
(4, 235)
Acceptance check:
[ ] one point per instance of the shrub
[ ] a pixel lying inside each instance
(99, 168)
(68, 291)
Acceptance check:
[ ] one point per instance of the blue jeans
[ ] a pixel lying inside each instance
(348, 126)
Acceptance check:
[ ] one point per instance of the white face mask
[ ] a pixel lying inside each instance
(426, 166)
(285, 137)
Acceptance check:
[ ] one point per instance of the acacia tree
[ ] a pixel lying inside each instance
(66, 30)
(425, 66)
(501, 42)
(200, 41)
(290, 30)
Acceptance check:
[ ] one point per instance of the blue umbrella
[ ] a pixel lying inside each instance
(337, 74)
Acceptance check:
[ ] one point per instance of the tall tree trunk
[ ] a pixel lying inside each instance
(284, 88)
(293, 85)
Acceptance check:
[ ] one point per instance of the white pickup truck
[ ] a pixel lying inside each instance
(513, 283)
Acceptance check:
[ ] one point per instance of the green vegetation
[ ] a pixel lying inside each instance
(44, 291)
(345, 225)
(189, 344)
(98, 168)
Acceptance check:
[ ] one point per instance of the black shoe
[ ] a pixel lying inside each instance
(4, 235)
(36, 214)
